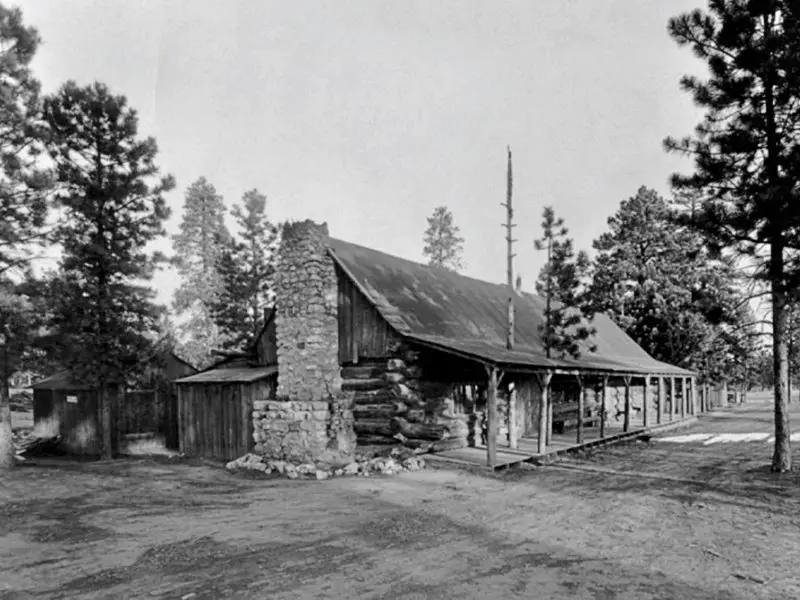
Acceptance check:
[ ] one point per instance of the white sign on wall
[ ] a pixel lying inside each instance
(72, 399)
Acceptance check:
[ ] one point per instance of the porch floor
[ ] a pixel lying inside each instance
(527, 449)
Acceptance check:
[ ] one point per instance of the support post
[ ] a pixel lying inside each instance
(544, 411)
(626, 423)
(512, 415)
(693, 395)
(672, 398)
(581, 408)
(660, 392)
(645, 401)
(603, 399)
(683, 397)
(491, 417)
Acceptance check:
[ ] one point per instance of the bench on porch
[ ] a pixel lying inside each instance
(565, 415)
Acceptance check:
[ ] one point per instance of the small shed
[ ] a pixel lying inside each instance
(215, 410)
(72, 409)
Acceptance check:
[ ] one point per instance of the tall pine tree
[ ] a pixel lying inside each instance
(198, 249)
(444, 246)
(112, 194)
(247, 268)
(561, 283)
(747, 152)
(22, 203)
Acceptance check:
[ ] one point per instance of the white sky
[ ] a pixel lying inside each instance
(369, 113)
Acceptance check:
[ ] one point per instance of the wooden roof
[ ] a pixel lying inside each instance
(238, 375)
(468, 316)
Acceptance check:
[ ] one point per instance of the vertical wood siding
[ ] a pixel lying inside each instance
(216, 420)
(267, 348)
(363, 333)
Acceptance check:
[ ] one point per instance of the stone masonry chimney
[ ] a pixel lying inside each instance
(306, 319)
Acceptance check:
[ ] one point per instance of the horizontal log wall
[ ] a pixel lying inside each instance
(394, 404)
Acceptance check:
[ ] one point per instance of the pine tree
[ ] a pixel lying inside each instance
(657, 280)
(22, 204)
(247, 268)
(443, 246)
(561, 282)
(112, 194)
(197, 249)
(747, 152)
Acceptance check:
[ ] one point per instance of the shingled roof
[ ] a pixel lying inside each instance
(467, 316)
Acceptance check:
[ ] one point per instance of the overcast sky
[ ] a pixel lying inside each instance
(367, 114)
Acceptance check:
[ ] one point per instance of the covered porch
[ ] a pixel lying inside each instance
(525, 413)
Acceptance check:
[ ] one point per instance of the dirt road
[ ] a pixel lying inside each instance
(148, 529)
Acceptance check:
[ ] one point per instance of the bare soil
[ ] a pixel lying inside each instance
(644, 520)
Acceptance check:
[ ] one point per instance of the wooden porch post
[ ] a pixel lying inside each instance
(512, 416)
(603, 407)
(672, 398)
(646, 401)
(693, 394)
(491, 417)
(544, 411)
(683, 397)
(581, 407)
(661, 403)
(626, 424)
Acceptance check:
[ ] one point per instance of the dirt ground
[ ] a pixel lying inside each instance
(663, 519)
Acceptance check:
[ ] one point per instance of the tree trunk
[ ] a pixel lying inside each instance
(6, 434)
(105, 409)
(782, 457)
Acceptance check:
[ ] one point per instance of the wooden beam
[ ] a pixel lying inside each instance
(491, 417)
(581, 408)
(544, 383)
(662, 396)
(603, 399)
(626, 424)
(646, 400)
(512, 417)
(672, 395)
(683, 397)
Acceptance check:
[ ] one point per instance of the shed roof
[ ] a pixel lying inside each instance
(58, 381)
(467, 316)
(238, 375)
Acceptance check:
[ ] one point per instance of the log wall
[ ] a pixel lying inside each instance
(393, 403)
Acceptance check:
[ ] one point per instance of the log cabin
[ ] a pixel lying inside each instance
(420, 354)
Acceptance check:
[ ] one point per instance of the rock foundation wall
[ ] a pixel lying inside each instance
(304, 431)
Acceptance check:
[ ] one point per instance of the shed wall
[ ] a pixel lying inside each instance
(216, 419)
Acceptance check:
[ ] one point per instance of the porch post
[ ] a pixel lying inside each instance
(661, 395)
(544, 384)
(672, 398)
(512, 416)
(646, 401)
(626, 424)
(693, 394)
(603, 407)
(581, 408)
(683, 397)
(491, 417)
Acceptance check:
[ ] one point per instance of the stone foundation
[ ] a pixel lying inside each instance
(304, 431)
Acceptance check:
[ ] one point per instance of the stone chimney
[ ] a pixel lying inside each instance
(306, 318)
